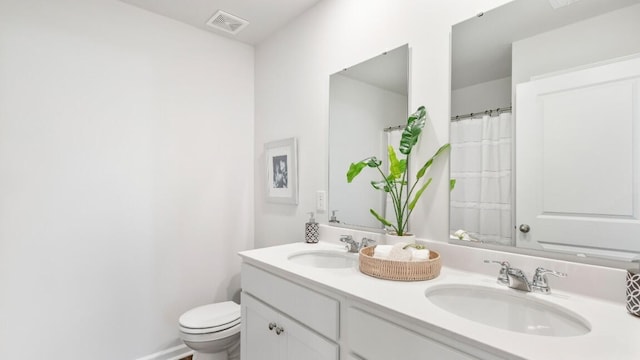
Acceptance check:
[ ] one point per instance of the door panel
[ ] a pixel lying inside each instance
(577, 154)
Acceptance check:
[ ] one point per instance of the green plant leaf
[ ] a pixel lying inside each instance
(452, 184)
(356, 168)
(384, 221)
(380, 185)
(415, 246)
(412, 204)
(395, 168)
(373, 162)
(424, 167)
(403, 165)
(412, 131)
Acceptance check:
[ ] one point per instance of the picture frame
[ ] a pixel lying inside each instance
(282, 171)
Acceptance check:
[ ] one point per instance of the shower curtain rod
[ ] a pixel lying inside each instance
(391, 128)
(486, 112)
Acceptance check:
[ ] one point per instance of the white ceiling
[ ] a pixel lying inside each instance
(264, 16)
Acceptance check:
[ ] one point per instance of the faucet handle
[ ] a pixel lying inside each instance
(366, 242)
(540, 282)
(350, 244)
(503, 277)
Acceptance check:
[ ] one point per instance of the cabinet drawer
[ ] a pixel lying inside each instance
(374, 338)
(313, 309)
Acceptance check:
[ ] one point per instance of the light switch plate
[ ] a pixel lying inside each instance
(321, 201)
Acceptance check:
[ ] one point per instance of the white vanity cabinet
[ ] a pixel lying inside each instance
(340, 313)
(374, 338)
(285, 318)
(282, 320)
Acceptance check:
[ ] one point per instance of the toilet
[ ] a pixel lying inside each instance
(212, 331)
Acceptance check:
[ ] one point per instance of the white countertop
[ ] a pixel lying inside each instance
(615, 334)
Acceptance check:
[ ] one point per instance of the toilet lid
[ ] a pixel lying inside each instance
(211, 316)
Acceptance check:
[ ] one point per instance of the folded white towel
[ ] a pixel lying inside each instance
(382, 251)
(399, 253)
(417, 255)
(463, 235)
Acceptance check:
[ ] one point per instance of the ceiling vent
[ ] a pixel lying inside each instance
(227, 22)
(560, 3)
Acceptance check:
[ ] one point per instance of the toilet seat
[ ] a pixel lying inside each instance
(211, 318)
(230, 334)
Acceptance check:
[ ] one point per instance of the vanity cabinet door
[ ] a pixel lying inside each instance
(258, 341)
(373, 338)
(269, 334)
(302, 343)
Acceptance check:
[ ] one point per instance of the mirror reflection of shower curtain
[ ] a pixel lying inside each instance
(393, 139)
(481, 164)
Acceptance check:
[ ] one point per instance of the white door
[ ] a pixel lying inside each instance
(578, 160)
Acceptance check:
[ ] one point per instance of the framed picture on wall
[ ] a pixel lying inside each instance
(282, 171)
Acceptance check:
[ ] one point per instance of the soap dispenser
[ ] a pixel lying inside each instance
(633, 289)
(311, 230)
(334, 219)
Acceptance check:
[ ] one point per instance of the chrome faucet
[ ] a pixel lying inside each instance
(540, 282)
(516, 278)
(353, 246)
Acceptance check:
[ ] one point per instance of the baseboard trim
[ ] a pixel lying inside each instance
(174, 353)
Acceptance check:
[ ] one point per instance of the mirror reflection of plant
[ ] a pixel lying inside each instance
(404, 196)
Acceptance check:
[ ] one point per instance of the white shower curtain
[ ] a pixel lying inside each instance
(481, 164)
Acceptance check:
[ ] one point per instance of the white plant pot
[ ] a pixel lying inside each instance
(392, 239)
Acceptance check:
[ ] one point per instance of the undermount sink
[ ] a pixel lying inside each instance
(508, 309)
(328, 259)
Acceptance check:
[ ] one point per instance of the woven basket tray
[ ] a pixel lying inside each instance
(399, 270)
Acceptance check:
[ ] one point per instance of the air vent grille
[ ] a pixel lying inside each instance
(227, 22)
(556, 4)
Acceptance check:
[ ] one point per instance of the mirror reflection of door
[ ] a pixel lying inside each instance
(578, 150)
(522, 42)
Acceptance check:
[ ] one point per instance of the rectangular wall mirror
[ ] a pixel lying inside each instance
(545, 128)
(367, 103)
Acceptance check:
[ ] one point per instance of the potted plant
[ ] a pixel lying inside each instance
(404, 192)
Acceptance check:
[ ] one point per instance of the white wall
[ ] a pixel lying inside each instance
(480, 97)
(126, 176)
(359, 113)
(601, 38)
(292, 95)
